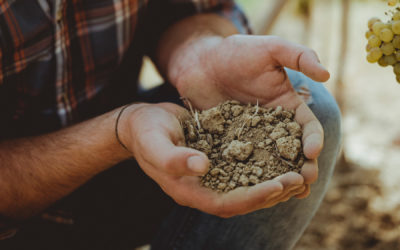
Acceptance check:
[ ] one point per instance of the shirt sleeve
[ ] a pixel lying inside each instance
(163, 13)
(225, 8)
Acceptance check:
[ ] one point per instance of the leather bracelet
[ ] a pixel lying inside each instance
(116, 127)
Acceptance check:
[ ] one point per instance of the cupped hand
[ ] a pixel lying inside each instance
(154, 134)
(250, 69)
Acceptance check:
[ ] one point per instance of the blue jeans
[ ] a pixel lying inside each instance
(276, 228)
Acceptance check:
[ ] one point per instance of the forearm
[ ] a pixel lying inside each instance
(178, 39)
(35, 172)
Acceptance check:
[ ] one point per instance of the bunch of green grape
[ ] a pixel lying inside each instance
(384, 42)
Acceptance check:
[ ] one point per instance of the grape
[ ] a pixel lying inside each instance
(387, 49)
(396, 42)
(396, 69)
(382, 62)
(372, 21)
(370, 59)
(377, 27)
(383, 38)
(374, 55)
(390, 60)
(396, 27)
(396, 16)
(368, 34)
(374, 41)
(377, 53)
(386, 35)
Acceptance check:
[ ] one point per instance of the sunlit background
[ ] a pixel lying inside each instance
(362, 208)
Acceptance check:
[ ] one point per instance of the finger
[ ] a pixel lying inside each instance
(161, 153)
(272, 204)
(288, 193)
(293, 193)
(247, 199)
(242, 200)
(313, 133)
(299, 58)
(284, 197)
(156, 143)
(293, 185)
(309, 171)
(290, 179)
(239, 201)
(305, 193)
(298, 191)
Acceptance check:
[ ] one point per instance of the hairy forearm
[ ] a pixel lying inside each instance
(35, 172)
(178, 39)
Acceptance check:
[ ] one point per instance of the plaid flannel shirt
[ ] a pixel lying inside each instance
(61, 61)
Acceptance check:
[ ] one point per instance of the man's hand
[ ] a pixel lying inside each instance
(246, 68)
(208, 70)
(154, 135)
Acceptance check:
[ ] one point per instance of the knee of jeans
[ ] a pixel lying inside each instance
(328, 113)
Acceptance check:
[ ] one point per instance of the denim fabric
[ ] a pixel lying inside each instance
(275, 228)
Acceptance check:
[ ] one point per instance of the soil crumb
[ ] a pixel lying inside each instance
(246, 144)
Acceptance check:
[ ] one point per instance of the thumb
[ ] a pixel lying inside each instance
(299, 58)
(164, 155)
(158, 135)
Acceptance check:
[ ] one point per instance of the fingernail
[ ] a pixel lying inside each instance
(195, 164)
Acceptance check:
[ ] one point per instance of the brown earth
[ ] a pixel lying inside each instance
(348, 218)
(246, 144)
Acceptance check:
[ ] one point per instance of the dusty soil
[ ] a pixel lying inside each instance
(348, 217)
(246, 144)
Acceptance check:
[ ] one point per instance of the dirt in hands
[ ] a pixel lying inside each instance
(246, 144)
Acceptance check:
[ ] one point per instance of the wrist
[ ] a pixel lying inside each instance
(184, 33)
(123, 126)
(195, 52)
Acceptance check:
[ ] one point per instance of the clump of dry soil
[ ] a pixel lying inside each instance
(246, 144)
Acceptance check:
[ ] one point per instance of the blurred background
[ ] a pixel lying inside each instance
(362, 207)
